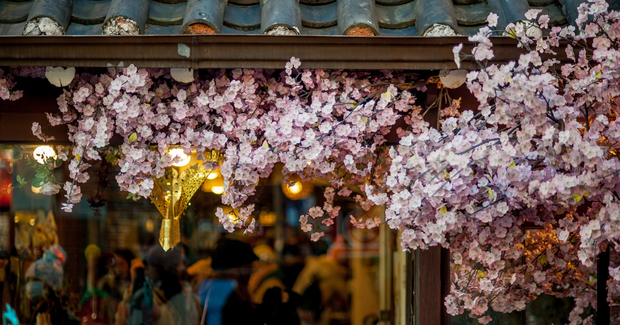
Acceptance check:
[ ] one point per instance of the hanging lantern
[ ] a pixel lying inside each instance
(296, 189)
(172, 192)
(267, 218)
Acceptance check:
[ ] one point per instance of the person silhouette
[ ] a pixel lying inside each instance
(224, 294)
(164, 299)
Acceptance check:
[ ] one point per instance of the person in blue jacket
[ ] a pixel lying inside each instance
(224, 295)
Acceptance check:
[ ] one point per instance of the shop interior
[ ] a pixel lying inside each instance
(108, 243)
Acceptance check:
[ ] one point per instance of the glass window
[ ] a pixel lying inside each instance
(103, 263)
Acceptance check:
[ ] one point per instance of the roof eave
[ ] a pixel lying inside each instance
(243, 51)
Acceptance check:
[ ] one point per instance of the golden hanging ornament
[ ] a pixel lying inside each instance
(172, 193)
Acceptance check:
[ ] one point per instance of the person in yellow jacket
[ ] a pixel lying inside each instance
(326, 276)
(266, 276)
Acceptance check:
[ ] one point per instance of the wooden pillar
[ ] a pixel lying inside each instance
(278, 203)
(386, 299)
(428, 287)
(445, 284)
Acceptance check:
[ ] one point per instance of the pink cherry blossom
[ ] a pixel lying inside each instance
(50, 188)
(539, 151)
(492, 20)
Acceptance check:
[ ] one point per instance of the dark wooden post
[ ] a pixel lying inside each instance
(602, 274)
(445, 285)
(430, 286)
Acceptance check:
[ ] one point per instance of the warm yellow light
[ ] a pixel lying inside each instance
(36, 190)
(149, 225)
(42, 153)
(233, 218)
(213, 175)
(295, 188)
(32, 222)
(267, 218)
(217, 189)
(178, 152)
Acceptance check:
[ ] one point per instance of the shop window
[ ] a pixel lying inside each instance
(102, 263)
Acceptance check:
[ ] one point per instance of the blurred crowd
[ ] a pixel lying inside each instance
(237, 284)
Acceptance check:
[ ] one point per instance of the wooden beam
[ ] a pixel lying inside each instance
(247, 51)
(16, 128)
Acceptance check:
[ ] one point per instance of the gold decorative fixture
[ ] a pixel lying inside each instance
(172, 192)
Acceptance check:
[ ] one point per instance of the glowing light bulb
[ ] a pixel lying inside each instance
(217, 189)
(178, 152)
(42, 153)
(295, 188)
(213, 175)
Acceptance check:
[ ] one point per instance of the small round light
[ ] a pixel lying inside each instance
(295, 188)
(149, 225)
(42, 153)
(178, 152)
(213, 175)
(217, 189)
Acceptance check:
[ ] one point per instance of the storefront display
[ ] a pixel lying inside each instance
(81, 268)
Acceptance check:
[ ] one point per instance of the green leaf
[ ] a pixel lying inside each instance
(133, 137)
(21, 181)
(38, 181)
(41, 173)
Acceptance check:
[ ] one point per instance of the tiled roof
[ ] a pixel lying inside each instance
(283, 17)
